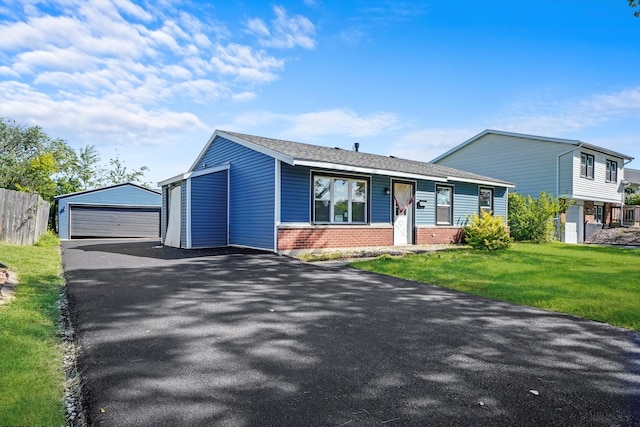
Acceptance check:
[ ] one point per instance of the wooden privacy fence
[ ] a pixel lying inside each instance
(23, 217)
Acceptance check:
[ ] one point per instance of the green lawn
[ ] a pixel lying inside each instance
(598, 283)
(31, 377)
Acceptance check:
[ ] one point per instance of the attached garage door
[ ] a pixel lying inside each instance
(110, 221)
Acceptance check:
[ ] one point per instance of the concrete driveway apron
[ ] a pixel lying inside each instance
(242, 338)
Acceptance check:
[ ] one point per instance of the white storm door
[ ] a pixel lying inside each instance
(402, 214)
(172, 236)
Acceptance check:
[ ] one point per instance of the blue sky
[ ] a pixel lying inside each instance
(151, 81)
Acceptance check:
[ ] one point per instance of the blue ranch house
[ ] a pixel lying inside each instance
(284, 196)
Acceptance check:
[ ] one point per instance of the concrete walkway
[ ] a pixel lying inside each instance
(241, 338)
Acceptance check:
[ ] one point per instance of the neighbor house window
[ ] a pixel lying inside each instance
(485, 200)
(612, 171)
(598, 213)
(339, 200)
(586, 165)
(444, 205)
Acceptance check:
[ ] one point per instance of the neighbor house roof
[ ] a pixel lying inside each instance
(297, 153)
(632, 175)
(573, 142)
(110, 187)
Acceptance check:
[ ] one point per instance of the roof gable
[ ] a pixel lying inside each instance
(573, 142)
(297, 153)
(110, 187)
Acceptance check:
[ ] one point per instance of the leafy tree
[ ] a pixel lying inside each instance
(119, 173)
(532, 219)
(635, 3)
(487, 232)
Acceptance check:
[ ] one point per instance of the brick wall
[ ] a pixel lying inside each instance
(333, 237)
(438, 235)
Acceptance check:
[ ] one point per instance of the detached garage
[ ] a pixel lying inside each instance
(119, 211)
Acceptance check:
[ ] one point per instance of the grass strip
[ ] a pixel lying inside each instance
(32, 385)
(593, 282)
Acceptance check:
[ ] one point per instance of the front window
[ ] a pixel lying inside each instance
(444, 205)
(598, 214)
(612, 171)
(339, 200)
(485, 200)
(586, 165)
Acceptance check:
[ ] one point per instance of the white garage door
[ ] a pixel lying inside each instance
(112, 221)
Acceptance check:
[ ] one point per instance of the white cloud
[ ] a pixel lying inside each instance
(287, 32)
(114, 70)
(427, 144)
(341, 122)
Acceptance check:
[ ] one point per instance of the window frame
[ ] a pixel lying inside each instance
(587, 171)
(611, 174)
(482, 208)
(332, 177)
(451, 203)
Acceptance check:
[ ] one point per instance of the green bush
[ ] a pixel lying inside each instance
(487, 232)
(633, 199)
(532, 219)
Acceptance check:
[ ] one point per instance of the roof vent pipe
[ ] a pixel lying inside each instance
(356, 146)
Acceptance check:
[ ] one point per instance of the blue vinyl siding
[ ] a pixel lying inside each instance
(251, 192)
(295, 194)
(380, 202)
(465, 202)
(209, 210)
(120, 195)
(500, 202)
(426, 191)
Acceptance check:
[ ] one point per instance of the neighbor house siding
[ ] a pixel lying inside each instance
(500, 201)
(251, 192)
(209, 210)
(529, 164)
(295, 197)
(597, 189)
(122, 195)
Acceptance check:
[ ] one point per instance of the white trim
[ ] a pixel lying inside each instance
(111, 187)
(110, 205)
(228, 202)
(480, 182)
(276, 209)
(340, 167)
(186, 175)
(297, 225)
(188, 219)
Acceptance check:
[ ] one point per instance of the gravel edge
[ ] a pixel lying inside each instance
(74, 402)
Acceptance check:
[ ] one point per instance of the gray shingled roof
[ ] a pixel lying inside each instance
(632, 175)
(307, 152)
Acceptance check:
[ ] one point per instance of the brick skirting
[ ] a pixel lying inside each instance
(438, 235)
(328, 237)
(354, 237)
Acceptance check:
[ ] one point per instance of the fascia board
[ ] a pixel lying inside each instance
(341, 167)
(481, 182)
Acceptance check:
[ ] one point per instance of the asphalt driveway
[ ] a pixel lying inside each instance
(242, 338)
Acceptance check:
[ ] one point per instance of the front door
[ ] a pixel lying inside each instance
(402, 211)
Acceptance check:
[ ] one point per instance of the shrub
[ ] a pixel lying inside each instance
(487, 232)
(633, 199)
(532, 219)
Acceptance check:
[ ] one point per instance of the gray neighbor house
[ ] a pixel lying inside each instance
(591, 175)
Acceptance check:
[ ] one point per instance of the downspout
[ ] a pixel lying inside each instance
(623, 184)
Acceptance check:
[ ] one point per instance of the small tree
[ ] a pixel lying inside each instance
(487, 232)
(632, 199)
(532, 219)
